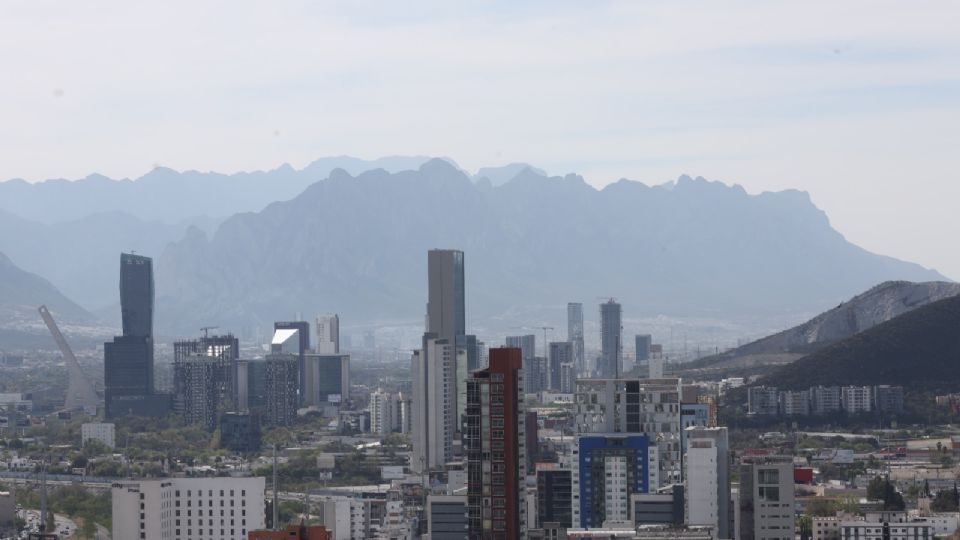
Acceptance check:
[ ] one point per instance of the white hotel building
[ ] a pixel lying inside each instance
(188, 508)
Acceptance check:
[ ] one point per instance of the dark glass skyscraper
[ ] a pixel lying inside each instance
(128, 359)
(136, 295)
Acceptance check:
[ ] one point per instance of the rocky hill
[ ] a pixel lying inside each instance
(862, 312)
(919, 350)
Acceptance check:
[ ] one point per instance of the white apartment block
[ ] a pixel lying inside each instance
(635, 406)
(188, 508)
(434, 405)
(384, 412)
(346, 518)
(99, 431)
(857, 399)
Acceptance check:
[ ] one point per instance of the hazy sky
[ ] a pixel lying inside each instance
(857, 102)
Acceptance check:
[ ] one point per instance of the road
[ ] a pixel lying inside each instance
(63, 525)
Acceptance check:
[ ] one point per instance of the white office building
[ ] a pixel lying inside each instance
(328, 334)
(385, 412)
(188, 508)
(708, 479)
(434, 404)
(98, 431)
(766, 499)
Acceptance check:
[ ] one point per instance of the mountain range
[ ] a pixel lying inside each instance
(350, 236)
(357, 245)
(862, 312)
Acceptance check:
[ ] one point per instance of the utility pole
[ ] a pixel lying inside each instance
(276, 518)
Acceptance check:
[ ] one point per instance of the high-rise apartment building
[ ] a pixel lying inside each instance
(385, 412)
(197, 389)
(446, 310)
(648, 407)
(857, 399)
(280, 389)
(434, 403)
(224, 508)
(328, 334)
(561, 352)
(707, 465)
(575, 335)
(494, 442)
(766, 498)
(825, 399)
(606, 470)
(611, 343)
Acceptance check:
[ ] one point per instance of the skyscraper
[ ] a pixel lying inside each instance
(575, 334)
(136, 295)
(495, 448)
(642, 354)
(303, 345)
(328, 334)
(707, 465)
(433, 372)
(128, 359)
(561, 353)
(327, 379)
(446, 312)
(280, 387)
(611, 344)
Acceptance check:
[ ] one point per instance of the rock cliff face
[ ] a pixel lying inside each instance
(357, 245)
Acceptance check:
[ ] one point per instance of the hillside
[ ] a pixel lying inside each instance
(919, 350)
(21, 327)
(866, 310)
(357, 245)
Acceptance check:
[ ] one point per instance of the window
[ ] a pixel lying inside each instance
(768, 476)
(769, 493)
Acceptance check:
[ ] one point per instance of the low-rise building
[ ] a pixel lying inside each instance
(98, 431)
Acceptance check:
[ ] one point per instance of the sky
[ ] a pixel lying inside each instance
(855, 102)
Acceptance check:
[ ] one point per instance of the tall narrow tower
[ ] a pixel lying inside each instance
(446, 312)
(496, 448)
(611, 345)
(575, 335)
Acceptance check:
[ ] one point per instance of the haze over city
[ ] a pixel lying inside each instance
(639, 270)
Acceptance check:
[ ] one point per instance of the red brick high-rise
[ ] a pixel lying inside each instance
(495, 447)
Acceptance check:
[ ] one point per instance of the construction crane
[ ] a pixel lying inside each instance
(80, 392)
(206, 329)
